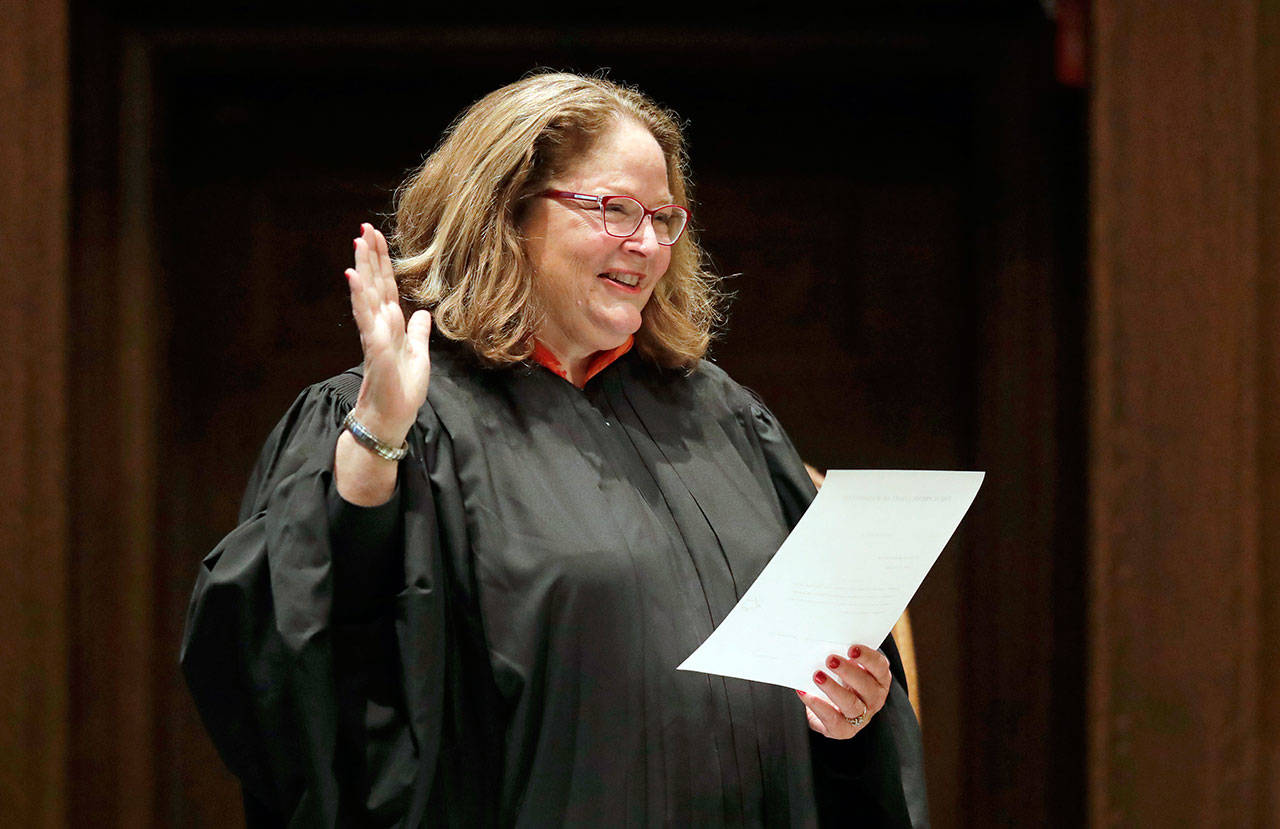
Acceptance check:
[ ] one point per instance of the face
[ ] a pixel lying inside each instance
(590, 286)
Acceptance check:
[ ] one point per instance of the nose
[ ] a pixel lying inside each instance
(645, 238)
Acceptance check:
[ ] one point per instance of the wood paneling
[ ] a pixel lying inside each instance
(1022, 767)
(34, 171)
(1183, 421)
(1268, 645)
(117, 661)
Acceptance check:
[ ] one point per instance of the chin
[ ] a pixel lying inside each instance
(610, 343)
(616, 335)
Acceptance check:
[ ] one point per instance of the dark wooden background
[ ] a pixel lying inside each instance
(883, 196)
(909, 208)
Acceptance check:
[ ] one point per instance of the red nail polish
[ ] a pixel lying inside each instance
(801, 693)
(354, 244)
(819, 677)
(855, 652)
(833, 663)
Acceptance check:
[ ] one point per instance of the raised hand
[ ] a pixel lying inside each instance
(397, 367)
(397, 370)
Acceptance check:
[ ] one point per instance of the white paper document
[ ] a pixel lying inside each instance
(843, 576)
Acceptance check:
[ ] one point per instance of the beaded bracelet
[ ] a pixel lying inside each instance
(370, 441)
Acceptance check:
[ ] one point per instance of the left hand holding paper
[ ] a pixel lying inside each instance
(854, 686)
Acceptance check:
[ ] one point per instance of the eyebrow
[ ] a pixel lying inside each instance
(664, 201)
(618, 190)
(610, 191)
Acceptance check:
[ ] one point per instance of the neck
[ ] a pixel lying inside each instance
(570, 364)
(573, 362)
(578, 368)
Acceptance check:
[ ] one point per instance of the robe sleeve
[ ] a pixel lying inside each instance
(301, 671)
(367, 572)
(882, 768)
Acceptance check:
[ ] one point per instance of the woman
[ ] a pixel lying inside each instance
(466, 572)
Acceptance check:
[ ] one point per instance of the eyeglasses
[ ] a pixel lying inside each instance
(623, 215)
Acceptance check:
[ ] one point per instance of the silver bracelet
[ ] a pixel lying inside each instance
(370, 441)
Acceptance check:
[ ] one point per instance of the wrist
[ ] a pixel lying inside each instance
(386, 429)
(360, 476)
(369, 439)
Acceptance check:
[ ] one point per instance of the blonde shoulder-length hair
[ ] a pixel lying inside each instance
(459, 251)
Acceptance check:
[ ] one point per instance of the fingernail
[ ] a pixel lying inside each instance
(801, 693)
(855, 652)
(833, 663)
(819, 677)
(355, 244)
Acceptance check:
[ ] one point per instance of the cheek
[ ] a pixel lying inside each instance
(581, 257)
(662, 266)
(557, 271)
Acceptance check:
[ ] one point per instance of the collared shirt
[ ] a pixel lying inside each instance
(543, 357)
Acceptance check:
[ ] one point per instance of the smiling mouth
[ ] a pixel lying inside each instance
(628, 280)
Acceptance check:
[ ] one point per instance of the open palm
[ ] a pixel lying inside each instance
(397, 366)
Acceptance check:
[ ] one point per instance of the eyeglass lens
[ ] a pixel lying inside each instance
(623, 215)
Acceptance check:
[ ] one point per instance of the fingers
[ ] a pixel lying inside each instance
(856, 682)
(397, 363)
(375, 300)
(848, 698)
(377, 256)
(856, 686)
(816, 722)
(365, 304)
(362, 281)
(827, 719)
(368, 264)
(360, 308)
(364, 265)
(420, 327)
(872, 662)
(419, 336)
(382, 254)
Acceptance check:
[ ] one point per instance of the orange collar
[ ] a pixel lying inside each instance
(543, 357)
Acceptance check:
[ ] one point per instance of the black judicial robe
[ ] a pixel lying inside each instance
(497, 646)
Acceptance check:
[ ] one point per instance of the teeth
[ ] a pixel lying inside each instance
(629, 279)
